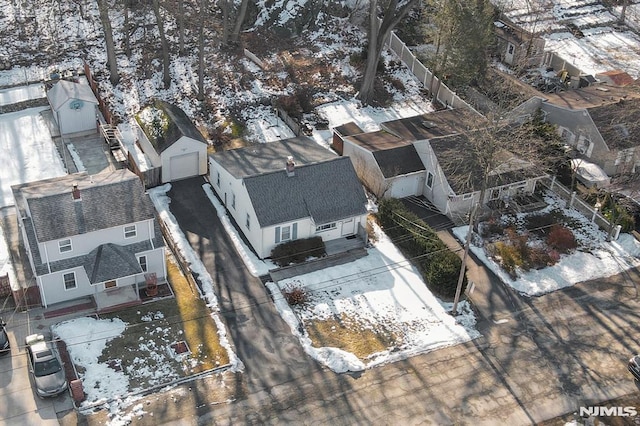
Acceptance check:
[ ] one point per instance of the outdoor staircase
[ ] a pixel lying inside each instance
(112, 136)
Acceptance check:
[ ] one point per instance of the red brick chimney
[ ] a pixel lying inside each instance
(75, 192)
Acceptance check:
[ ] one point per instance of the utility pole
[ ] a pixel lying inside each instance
(463, 267)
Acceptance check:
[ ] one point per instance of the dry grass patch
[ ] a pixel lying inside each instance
(350, 335)
(200, 331)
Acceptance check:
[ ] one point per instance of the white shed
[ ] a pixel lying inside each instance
(74, 107)
(172, 141)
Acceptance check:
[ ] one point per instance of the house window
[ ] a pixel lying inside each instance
(326, 227)
(110, 284)
(218, 179)
(510, 49)
(142, 260)
(467, 196)
(248, 221)
(233, 200)
(285, 233)
(430, 180)
(70, 281)
(65, 245)
(130, 231)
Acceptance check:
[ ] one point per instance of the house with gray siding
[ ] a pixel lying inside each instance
(600, 123)
(286, 190)
(90, 236)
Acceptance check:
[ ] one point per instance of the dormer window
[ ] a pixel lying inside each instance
(130, 231)
(65, 245)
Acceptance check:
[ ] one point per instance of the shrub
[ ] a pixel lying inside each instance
(442, 274)
(490, 228)
(540, 257)
(510, 258)
(561, 239)
(295, 295)
(415, 238)
(297, 251)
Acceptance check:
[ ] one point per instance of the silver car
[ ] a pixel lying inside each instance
(45, 366)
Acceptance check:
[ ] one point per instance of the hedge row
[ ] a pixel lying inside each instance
(440, 267)
(297, 251)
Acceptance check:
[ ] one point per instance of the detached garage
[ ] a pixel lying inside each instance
(74, 107)
(172, 142)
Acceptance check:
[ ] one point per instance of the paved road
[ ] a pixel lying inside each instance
(538, 357)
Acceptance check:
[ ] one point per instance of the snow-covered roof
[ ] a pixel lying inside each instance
(64, 90)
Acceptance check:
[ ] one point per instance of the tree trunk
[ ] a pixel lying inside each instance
(225, 5)
(377, 36)
(623, 12)
(200, 96)
(127, 32)
(181, 27)
(103, 8)
(166, 76)
(366, 89)
(242, 13)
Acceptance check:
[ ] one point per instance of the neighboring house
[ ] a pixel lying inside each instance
(605, 132)
(74, 107)
(386, 161)
(412, 156)
(90, 236)
(171, 142)
(287, 190)
(516, 46)
(455, 186)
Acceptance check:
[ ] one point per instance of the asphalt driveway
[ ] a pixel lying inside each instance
(263, 341)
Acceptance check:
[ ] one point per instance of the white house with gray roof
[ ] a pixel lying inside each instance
(171, 142)
(90, 236)
(286, 190)
(74, 107)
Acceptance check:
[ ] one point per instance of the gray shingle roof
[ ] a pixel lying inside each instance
(109, 262)
(64, 90)
(466, 176)
(618, 123)
(326, 191)
(179, 125)
(268, 157)
(107, 200)
(398, 161)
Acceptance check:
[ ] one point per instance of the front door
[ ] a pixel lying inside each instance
(348, 227)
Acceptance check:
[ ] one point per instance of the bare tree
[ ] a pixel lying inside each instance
(166, 61)
(201, 46)
(242, 14)
(103, 9)
(392, 14)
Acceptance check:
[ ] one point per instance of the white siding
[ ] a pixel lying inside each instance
(76, 120)
(84, 243)
(172, 170)
(405, 185)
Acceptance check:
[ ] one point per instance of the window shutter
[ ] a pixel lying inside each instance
(294, 231)
(277, 234)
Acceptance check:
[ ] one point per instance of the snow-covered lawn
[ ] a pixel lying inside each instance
(594, 258)
(21, 93)
(381, 292)
(30, 154)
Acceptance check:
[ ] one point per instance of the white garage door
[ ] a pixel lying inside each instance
(183, 166)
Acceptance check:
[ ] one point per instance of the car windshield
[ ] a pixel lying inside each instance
(44, 368)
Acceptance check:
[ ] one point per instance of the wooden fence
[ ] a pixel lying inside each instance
(183, 264)
(102, 106)
(434, 86)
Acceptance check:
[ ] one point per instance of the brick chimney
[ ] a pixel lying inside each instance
(291, 167)
(75, 192)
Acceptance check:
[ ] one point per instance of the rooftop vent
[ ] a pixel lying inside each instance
(429, 124)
